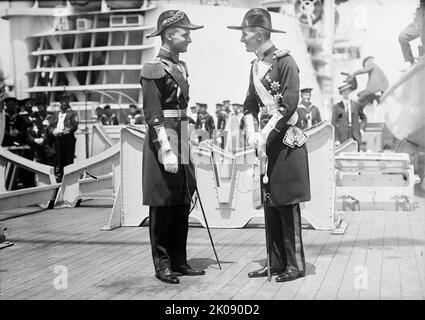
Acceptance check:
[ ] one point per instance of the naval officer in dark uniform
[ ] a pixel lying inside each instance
(272, 101)
(168, 172)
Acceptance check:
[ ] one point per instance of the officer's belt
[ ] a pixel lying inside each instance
(177, 113)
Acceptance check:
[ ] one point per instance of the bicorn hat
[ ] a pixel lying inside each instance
(257, 17)
(172, 19)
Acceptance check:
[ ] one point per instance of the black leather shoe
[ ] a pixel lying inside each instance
(189, 271)
(289, 275)
(263, 272)
(167, 276)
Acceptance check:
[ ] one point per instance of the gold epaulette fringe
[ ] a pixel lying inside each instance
(153, 70)
(280, 53)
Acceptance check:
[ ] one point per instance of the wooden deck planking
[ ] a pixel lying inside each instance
(27, 246)
(374, 258)
(55, 243)
(311, 285)
(250, 287)
(233, 288)
(411, 288)
(417, 230)
(197, 247)
(206, 286)
(252, 255)
(155, 287)
(20, 229)
(289, 290)
(80, 264)
(356, 261)
(268, 290)
(145, 270)
(86, 271)
(332, 279)
(100, 269)
(197, 284)
(30, 251)
(118, 264)
(390, 282)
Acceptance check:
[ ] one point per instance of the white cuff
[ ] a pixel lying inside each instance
(249, 123)
(162, 138)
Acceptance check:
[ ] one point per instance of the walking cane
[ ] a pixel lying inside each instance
(206, 224)
(266, 202)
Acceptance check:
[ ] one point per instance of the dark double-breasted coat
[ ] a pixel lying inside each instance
(287, 167)
(164, 87)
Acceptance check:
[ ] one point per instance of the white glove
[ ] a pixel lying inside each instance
(256, 140)
(169, 160)
(56, 132)
(38, 140)
(361, 132)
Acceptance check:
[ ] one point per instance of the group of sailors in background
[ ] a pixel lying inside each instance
(37, 134)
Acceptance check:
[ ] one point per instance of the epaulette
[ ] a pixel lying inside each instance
(153, 70)
(280, 53)
(252, 62)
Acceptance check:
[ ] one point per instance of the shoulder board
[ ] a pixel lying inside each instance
(153, 70)
(280, 53)
(138, 116)
(252, 62)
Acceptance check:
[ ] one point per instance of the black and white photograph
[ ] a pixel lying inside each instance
(212, 154)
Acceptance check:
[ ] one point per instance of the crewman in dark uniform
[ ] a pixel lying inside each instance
(108, 117)
(23, 122)
(40, 138)
(23, 119)
(134, 117)
(64, 125)
(10, 132)
(308, 114)
(205, 121)
(272, 101)
(221, 116)
(168, 176)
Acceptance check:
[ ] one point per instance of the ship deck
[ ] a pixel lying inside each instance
(117, 264)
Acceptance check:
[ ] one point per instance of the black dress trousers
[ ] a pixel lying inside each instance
(284, 230)
(168, 228)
